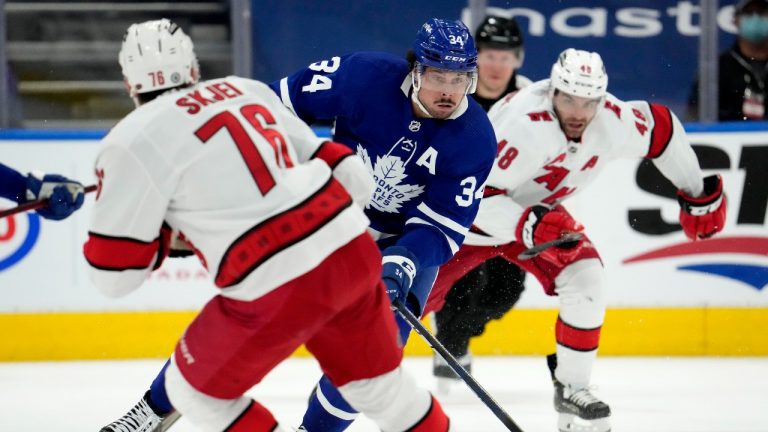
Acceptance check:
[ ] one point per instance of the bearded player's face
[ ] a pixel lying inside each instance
(574, 113)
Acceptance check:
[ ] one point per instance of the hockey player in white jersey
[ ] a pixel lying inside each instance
(275, 214)
(554, 137)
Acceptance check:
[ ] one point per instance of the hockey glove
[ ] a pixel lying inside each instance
(704, 216)
(64, 195)
(540, 225)
(398, 270)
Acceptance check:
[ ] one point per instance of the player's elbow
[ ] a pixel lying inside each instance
(116, 283)
(356, 179)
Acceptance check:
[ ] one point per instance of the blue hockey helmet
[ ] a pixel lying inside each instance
(444, 44)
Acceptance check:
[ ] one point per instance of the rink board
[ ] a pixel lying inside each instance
(666, 296)
(653, 332)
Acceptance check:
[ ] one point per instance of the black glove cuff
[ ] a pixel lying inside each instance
(708, 202)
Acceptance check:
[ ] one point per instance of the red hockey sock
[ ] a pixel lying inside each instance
(434, 420)
(255, 418)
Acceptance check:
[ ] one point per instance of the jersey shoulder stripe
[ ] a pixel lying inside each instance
(661, 134)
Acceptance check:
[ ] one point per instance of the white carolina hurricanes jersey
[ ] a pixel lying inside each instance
(536, 164)
(228, 166)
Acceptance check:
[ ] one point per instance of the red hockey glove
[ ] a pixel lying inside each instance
(704, 216)
(539, 225)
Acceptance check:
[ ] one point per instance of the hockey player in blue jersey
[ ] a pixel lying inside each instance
(429, 148)
(64, 196)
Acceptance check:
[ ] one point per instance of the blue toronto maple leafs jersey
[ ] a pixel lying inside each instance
(13, 185)
(429, 173)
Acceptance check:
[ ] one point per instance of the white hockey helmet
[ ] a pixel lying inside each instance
(580, 73)
(157, 55)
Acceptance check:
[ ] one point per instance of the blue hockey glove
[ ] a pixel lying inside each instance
(64, 195)
(399, 269)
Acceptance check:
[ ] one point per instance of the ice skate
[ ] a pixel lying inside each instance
(142, 418)
(446, 377)
(580, 410)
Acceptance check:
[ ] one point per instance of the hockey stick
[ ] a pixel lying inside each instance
(34, 205)
(419, 328)
(534, 251)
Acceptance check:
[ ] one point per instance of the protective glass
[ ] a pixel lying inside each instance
(447, 81)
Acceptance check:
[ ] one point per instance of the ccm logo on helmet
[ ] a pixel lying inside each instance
(455, 58)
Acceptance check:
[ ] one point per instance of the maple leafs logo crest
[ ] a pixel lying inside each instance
(388, 173)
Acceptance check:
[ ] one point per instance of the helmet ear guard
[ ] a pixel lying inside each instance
(579, 73)
(157, 55)
(473, 83)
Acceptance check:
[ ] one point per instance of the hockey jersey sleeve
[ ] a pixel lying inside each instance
(126, 238)
(668, 146)
(13, 184)
(317, 91)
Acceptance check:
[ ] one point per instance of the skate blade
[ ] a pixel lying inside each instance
(573, 423)
(168, 421)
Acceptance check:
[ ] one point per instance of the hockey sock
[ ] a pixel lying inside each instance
(434, 420)
(254, 418)
(328, 411)
(158, 397)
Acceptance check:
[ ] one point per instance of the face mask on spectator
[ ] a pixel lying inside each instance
(754, 28)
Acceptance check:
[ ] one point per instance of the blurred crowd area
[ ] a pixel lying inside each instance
(62, 67)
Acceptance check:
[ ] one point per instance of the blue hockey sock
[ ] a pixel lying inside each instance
(158, 398)
(327, 410)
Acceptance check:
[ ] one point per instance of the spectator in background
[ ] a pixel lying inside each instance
(743, 69)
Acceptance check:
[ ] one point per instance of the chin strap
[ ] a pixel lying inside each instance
(415, 99)
(416, 84)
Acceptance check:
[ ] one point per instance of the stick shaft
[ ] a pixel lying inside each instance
(534, 251)
(486, 398)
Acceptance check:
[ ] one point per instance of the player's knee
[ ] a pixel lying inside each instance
(394, 402)
(581, 285)
(214, 414)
